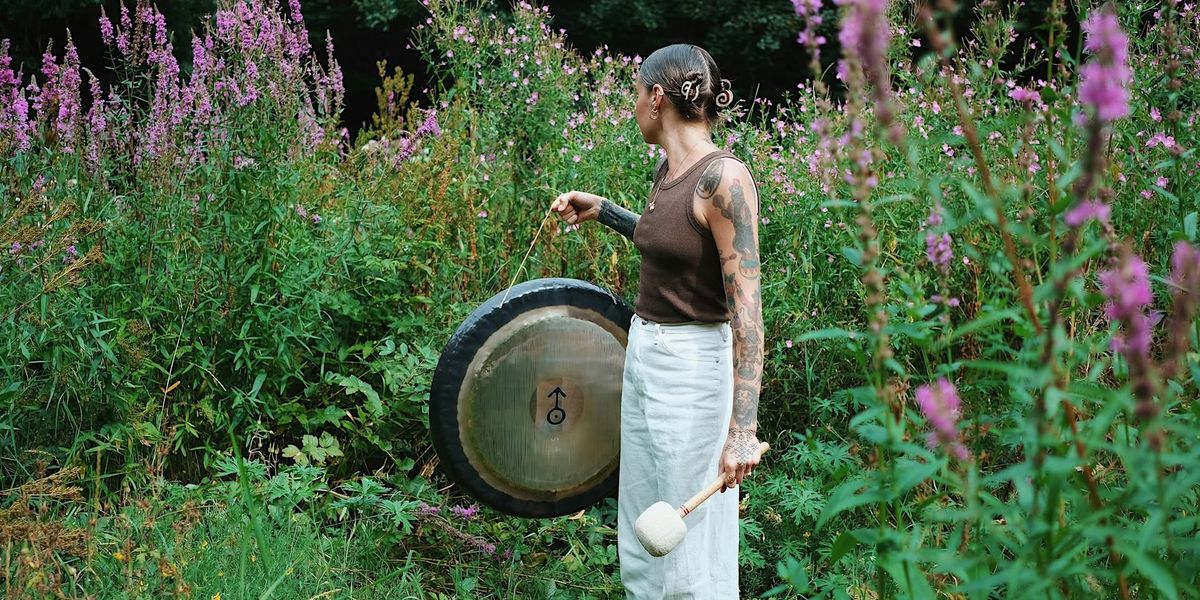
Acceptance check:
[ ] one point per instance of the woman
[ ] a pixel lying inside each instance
(693, 365)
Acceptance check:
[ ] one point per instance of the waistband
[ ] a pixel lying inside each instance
(638, 321)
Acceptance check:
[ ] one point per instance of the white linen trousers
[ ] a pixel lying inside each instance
(676, 402)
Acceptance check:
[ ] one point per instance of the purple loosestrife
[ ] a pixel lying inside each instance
(97, 124)
(122, 40)
(940, 404)
(939, 252)
(430, 127)
(1104, 80)
(69, 81)
(106, 28)
(1086, 211)
(810, 12)
(1185, 300)
(1127, 288)
(14, 108)
(865, 36)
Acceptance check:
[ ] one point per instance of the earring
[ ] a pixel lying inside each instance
(654, 114)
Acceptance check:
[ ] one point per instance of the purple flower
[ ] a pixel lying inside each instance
(316, 219)
(1086, 211)
(810, 11)
(1105, 79)
(123, 32)
(1023, 95)
(106, 28)
(468, 512)
(70, 255)
(938, 250)
(300, 210)
(425, 510)
(430, 126)
(940, 404)
(1127, 288)
(865, 32)
(16, 248)
(1184, 260)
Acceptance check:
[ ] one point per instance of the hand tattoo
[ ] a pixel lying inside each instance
(742, 445)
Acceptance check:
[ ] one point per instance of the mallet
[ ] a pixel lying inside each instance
(660, 528)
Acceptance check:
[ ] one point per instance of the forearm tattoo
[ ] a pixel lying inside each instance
(743, 295)
(620, 220)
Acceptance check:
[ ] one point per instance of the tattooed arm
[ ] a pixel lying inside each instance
(727, 195)
(617, 218)
(577, 207)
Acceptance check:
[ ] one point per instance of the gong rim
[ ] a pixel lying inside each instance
(463, 352)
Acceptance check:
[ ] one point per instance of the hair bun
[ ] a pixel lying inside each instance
(725, 98)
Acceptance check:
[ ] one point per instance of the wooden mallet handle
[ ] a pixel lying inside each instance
(712, 488)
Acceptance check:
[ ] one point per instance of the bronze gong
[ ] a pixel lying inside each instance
(525, 406)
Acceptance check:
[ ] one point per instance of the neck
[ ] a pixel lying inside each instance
(686, 143)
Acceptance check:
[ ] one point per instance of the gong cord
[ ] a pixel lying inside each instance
(527, 252)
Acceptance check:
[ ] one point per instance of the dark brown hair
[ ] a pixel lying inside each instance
(690, 78)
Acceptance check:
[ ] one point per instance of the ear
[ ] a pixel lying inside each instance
(657, 93)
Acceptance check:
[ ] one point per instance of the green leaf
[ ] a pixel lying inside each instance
(355, 385)
(1189, 226)
(1011, 368)
(1153, 569)
(833, 333)
(854, 255)
(908, 577)
(793, 572)
(258, 383)
(851, 494)
(987, 320)
(843, 544)
(912, 473)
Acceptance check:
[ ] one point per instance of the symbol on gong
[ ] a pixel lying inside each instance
(556, 414)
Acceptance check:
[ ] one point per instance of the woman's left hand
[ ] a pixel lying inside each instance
(740, 457)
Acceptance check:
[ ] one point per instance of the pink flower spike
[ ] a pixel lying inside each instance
(1086, 211)
(1105, 79)
(940, 404)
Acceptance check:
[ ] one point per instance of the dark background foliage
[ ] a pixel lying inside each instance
(754, 41)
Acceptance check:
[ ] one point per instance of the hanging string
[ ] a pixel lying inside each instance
(527, 252)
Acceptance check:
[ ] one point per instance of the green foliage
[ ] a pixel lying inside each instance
(200, 297)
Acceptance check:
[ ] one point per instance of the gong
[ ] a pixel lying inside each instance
(525, 406)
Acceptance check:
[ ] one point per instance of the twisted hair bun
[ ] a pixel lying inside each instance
(690, 78)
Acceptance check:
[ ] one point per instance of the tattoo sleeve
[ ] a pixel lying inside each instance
(620, 220)
(737, 242)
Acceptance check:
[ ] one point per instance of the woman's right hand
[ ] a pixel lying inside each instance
(577, 207)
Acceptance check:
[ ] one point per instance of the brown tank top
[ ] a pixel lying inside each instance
(680, 277)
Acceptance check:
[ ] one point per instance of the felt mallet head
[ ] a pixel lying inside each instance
(660, 528)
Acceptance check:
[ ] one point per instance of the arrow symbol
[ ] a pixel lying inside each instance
(557, 394)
